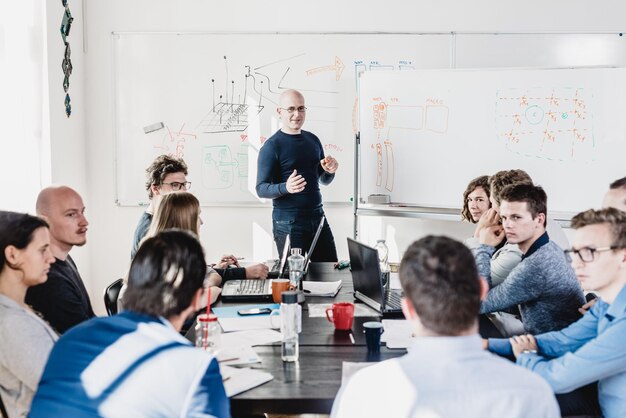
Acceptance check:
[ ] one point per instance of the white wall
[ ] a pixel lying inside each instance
(83, 150)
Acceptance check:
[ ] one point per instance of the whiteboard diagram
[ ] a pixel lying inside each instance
(216, 96)
(550, 123)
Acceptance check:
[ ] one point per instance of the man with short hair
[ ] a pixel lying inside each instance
(166, 174)
(62, 299)
(543, 284)
(445, 373)
(591, 349)
(291, 165)
(136, 363)
(616, 196)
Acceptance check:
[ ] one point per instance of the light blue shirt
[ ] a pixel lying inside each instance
(445, 377)
(591, 349)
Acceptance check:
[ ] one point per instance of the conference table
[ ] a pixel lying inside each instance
(310, 384)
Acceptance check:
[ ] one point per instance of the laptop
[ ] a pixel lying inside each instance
(278, 268)
(255, 290)
(368, 282)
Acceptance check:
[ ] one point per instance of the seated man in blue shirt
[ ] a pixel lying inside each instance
(445, 373)
(593, 348)
(136, 363)
(543, 284)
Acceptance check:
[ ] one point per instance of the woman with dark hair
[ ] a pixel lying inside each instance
(476, 199)
(136, 363)
(25, 338)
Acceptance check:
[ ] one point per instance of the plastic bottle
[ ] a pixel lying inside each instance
(296, 265)
(291, 316)
(383, 259)
(208, 333)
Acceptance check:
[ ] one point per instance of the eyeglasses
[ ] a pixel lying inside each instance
(586, 254)
(177, 186)
(290, 110)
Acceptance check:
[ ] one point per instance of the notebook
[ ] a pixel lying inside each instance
(368, 282)
(254, 290)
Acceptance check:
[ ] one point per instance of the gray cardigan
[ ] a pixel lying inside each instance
(543, 284)
(25, 342)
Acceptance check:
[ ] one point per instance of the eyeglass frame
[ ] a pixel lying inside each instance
(292, 109)
(186, 185)
(592, 251)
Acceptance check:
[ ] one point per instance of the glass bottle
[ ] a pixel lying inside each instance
(296, 265)
(291, 316)
(208, 333)
(383, 259)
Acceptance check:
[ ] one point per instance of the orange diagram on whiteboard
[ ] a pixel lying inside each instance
(337, 67)
(554, 123)
(173, 143)
(385, 165)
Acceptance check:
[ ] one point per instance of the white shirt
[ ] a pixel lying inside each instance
(445, 377)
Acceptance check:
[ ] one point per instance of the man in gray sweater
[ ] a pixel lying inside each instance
(543, 284)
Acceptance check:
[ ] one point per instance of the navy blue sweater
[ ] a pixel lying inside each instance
(278, 157)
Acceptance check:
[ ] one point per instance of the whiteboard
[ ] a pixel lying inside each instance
(425, 133)
(216, 95)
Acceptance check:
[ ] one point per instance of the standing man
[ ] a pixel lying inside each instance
(291, 165)
(543, 284)
(166, 174)
(591, 349)
(62, 299)
(446, 373)
(616, 196)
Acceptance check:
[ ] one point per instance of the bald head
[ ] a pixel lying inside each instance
(289, 95)
(50, 197)
(616, 196)
(291, 111)
(64, 210)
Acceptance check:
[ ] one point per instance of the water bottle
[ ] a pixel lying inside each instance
(208, 333)
(296, 265)
(291, 317)
(383, 259)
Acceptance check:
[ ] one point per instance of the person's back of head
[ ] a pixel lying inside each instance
(160, 168)
(179, 210)
(165, 275)
(615, 197)
(440, 280)
(501, 179)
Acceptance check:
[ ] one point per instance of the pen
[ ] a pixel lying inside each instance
(227, 359)
(352, 339)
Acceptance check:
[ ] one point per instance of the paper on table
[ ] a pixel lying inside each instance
(248, 338)
(230, 320)
(240, 380)
(398, 333)
(235, 356)
(328, 289)
(318, 310)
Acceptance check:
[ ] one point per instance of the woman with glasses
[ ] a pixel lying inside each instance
(25, 338)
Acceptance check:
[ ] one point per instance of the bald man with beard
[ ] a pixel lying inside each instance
(62, 299)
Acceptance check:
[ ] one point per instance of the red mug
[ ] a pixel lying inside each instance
(342, 315)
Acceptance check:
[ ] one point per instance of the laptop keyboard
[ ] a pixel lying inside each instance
(392, 300)
(252, 287)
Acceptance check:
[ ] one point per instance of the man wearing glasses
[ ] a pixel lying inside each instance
(593, 348)
(291, 165)
(166, 174)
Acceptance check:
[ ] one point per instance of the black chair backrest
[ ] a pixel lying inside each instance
(110, 296)
(3, 411)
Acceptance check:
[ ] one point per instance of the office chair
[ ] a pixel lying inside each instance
(111, 293)
(3, 411)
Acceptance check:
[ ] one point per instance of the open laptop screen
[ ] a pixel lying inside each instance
(365, 270)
